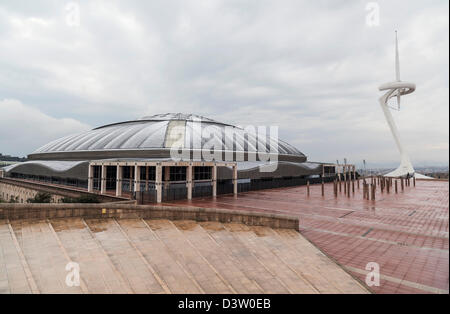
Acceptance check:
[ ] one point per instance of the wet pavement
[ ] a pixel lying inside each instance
(405, 233)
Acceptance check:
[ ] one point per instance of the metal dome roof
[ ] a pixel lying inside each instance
(158, 132)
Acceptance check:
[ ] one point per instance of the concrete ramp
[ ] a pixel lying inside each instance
(163, 256)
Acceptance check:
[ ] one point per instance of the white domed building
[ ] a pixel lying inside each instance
(183, 154)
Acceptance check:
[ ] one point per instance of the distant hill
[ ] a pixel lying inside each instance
(11, 158)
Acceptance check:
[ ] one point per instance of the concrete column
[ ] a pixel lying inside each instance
(119, 177)
(158, 183)
(166, 176)
(91, 178)
(137, 178)
(235, 180)
(189, 181)
(103, 183)
(214, 180)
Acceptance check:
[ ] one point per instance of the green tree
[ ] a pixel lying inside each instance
(41, 197)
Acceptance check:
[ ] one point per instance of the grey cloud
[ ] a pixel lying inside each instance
(310, 67)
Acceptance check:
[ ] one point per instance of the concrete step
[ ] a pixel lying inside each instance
(96, 267)
(124, 257)
(327, 276)
(13, 278)
(217, 257)
(159, 256)
(263, 252)
(247, 262)
(44, 256)
(201, 271)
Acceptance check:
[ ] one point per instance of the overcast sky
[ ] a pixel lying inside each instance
(310, 67)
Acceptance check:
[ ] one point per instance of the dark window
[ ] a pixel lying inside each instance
(202, 173)
(151, 173)
(177, 173)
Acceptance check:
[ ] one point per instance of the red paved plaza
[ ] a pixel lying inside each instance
(405, 233)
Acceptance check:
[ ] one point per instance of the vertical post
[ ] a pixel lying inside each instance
(119, 175)
(137, 178)
(373, 192)
(158, 183)
(339, 174)
(189, 181)
(103, 183)
(307, 188)
(214, 180)
(235, 180)
(131, 178)
(146, 177)
(91, 178)
(323, 188)
(353, 186)
(396, 186)
(414, 181)
(166, 176)
(357, 182)
(402, 184)
(335, 188)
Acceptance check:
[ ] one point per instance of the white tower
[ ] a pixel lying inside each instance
(397, 89)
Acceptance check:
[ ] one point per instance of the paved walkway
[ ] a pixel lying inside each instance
(405, 233)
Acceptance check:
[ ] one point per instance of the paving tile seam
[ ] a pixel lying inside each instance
(83, 285)
(29, 275)
(379, 226)
(231, 257)
(124, 280)
(235, 262)
(161, 282)
(333, 260)
(225, 282)
(252, 252)
(312, 266)
(306, 228)
(174, 256)
(401, 281)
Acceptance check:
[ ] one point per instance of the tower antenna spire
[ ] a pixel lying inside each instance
(397, 89)
(397, 59)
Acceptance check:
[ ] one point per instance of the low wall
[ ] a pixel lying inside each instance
(21, 194)
(25, 189)
(123, 210)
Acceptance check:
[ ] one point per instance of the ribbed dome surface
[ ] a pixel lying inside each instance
(160, 132)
